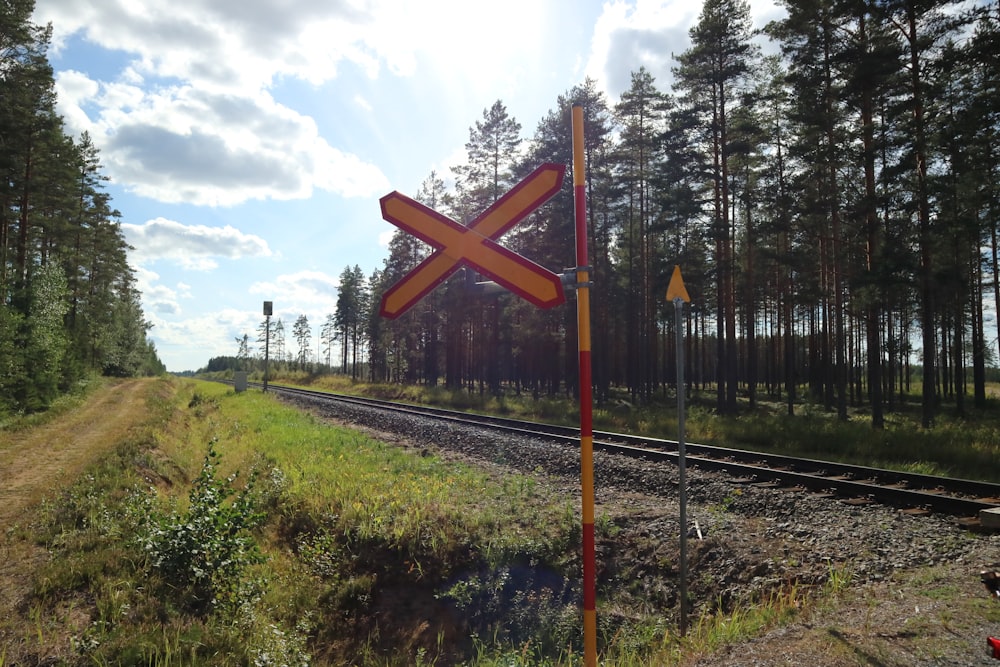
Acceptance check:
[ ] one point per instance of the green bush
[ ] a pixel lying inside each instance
(203, 553)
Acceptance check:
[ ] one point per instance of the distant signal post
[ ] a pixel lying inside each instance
(268, 309)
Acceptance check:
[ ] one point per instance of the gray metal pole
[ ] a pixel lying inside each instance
(681, 463)
(267, 346)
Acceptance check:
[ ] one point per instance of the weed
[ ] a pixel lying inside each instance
(838, 580)
(713, 631)
(721, 509)
(605, 527)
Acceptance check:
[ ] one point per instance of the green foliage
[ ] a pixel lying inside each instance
(68, 302)
(33, 345)
(204, 552)
(105, 534)
(521, 604)
(217, 364)
(11, 359)
(45, 339)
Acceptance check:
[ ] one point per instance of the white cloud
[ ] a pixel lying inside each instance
(73, 89)
(224, 44)
(190, 342)
(162, 299)
(157, 299)
(247, 45)
(300, 292)
(629, 35)
(184, 144)
(764, 11)
(189, 118)
(191, 246)
(364, 104)
(145, 278)
(201, 337)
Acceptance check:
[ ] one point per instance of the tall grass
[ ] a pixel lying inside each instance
(957, 448)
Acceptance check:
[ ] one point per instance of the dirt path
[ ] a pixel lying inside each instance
(35, 463)
(37, 460)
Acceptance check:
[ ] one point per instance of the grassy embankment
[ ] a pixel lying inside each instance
(325, 547)
(232, 530)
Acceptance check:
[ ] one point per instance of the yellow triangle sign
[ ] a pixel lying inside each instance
(676, 289)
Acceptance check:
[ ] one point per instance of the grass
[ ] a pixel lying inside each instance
(350, 526)
(369, 553)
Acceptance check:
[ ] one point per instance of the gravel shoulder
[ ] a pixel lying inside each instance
(907, 587)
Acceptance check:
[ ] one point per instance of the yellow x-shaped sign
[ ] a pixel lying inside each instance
(474, 245)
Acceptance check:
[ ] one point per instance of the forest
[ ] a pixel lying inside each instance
(69, 307)
(833, 207)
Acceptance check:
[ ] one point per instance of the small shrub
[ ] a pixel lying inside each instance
(203, 553)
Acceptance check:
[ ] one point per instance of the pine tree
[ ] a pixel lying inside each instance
(58, 236)
(328, 337)
(923, 25)
(783, 257)
(243, 351)
(640, 113)
(712, 72)
(543, 338)
(982, 117)
(473, 323)
(493, 146)
(278, 340)
(302, 333)
(352, 311)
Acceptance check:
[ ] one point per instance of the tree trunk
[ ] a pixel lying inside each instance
(927, 305)
(873, 315)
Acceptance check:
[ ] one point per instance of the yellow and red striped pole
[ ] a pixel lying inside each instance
(586, 395)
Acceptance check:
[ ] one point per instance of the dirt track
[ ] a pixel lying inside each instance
(35, 461)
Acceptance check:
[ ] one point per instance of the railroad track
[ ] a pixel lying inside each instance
(911, 492)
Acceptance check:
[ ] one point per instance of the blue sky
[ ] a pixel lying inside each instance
(248, 143)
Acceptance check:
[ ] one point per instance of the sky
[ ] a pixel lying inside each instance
(247, 143)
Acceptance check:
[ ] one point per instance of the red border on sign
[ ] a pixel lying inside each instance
(557, 170)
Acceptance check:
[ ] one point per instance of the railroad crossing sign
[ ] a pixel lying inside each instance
(475, 245)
